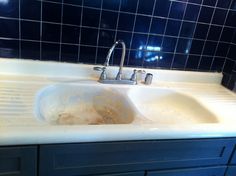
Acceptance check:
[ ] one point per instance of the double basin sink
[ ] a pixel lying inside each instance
(84, 104)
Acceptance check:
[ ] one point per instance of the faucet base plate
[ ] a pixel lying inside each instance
(114, 81)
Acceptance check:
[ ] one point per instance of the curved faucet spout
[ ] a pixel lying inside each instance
(119, 74)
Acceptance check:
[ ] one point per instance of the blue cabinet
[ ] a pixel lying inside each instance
(233, 159)
(121, 157)
(18, 161)
(208, 171)
(125, 174)
(231, 171)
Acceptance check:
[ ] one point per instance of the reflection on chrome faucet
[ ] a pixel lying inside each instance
(118, 80)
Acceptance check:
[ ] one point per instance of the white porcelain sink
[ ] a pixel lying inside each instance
(164, 106)
(81, 104)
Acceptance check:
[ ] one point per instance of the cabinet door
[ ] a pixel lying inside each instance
(209, 171)
(18, 161)
(233, 160)
(125, 174)
(231, 171)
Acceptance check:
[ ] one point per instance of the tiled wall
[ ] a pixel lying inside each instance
(170, 34)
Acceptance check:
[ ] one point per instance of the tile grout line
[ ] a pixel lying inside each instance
(164, 34)
(149, 30)
(177, 41)
(116, 29)
(194, 31)
(223, 26)
(19, 29)
(41, 29)
(132, 35)
(61, 25)
(80, 31)
(205, 41)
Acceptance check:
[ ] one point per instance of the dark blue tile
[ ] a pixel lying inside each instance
(169, 44)
(151, 58)
(233, 5)
(146, 7)
(232, 52)
(33, 13)
(217, 64)
(126, 22)
(129, 5)
(51, 32)
(74, 2)
(210, 48)
(223, 3)
(234, 38)
(9, 48)
(30, 50)
(201, 31)
(106, 38)
(158, 25)
(10, 29)
(9, 8)
(173, 27)
(87, 54)
(214, 32)
(195, 1)
(69, 53)
(196, 47)
(91, 17)
(228, 67)
(125, 36)
(93, 3)
(166, 61)
(192, 62)
(177, 10)
(117, 57)
(101, 55)
(139, 41)
(71, 15)
(154, 41)
(136, 58)
(219, 16)
(51, 12)
(70, 34)
(179, 61)
(50, 52)
(209, 2)
(231, 19)
(58, 1)
(222, 49)
(162, 8)
(89, 36)
(30, 30)
(205, 14)
(184, 45)
(109, 20)
(187, 29)
(227, 34)
(111, 5)
(142, 24)
(191, 13)
(205, 63)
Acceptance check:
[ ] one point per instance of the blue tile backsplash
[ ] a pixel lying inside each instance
(194, 35)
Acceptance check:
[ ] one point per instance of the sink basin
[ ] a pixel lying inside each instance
(165, 106)
(82, 104)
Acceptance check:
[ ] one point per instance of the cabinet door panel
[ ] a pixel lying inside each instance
(231, 171)
(233, 160)
(18, 161)
(112, 157)
(210, 171)
(125, 174)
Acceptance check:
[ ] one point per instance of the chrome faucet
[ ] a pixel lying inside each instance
(118, 80)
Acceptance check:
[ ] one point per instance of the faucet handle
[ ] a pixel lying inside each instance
(134, 75)
(103, 74)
